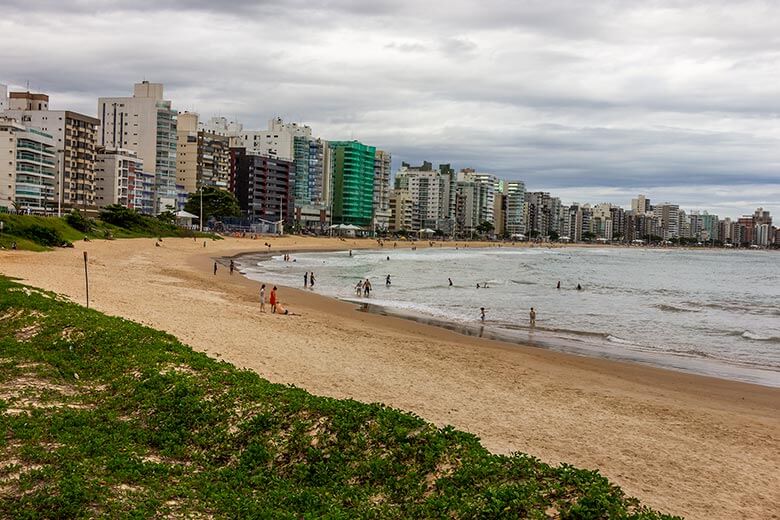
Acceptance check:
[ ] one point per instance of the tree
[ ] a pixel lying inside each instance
(485, 227)
(588, 236)
(533, 233)
(216, 203)
(167, 216)
(554, 236)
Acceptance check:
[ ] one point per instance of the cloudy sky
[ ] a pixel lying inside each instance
(593, 101)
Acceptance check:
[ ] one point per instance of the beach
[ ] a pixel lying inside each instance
(685, 444)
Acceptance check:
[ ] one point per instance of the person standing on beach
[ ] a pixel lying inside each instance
(532, 317)
(482, 313)
(272, 300)
(262, 298)
(366, 288)
(215, 268)
(387, 281)
(232, 267)
(559, 285)
(450, 280)
(306, 279)
(359, 288)
(311, 280)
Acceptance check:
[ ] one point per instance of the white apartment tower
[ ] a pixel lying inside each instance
(27, 169)
(146, 124)
(276, 142)
(515, 199)
(3, 97)
(74, 137)
(114, 174)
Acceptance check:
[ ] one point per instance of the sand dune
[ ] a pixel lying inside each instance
(685, 444)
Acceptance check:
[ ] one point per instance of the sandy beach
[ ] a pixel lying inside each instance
(690, 445)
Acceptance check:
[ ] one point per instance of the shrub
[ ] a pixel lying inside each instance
(78, 221)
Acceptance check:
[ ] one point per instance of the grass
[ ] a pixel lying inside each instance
(102, 417)
(37, 233)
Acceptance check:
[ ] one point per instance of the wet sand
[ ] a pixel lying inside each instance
(686, 444)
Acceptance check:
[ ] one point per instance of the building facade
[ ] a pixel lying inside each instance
(27, 176)
(263, 187)
(353, 183)
(74, 137)
(116, 172)
(276, 142)
(147, 124)
(514, 215)
(202, 156)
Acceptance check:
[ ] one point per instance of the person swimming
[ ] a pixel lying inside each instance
(579, 287)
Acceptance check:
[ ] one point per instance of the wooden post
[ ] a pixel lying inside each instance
(86, 277)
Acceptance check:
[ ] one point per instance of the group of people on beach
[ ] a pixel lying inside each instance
(363, 288)
(273, 301)
(308, 280)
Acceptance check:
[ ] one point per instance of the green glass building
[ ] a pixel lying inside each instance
(353, 183)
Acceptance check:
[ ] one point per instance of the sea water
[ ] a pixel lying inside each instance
(703, 311)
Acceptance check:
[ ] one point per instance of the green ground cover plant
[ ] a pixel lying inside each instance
(102, 417)
(38, 233)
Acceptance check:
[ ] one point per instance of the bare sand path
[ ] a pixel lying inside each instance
(689, 445)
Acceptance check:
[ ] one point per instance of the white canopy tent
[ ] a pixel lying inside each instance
(184, 218)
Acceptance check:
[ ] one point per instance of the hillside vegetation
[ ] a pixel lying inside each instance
(40, 233)
(102, 417)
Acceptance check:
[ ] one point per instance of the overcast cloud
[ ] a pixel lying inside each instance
(593, 101)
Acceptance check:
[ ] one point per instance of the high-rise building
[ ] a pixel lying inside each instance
(115, 178)
(27, 176)
(353, 182)
(278, 141)
(640, 205)
(312, 170)
(146, 124)
(3, 97)
(515, 199)
(381, 204)
(221, 126)
(202, 157)
(542, 214)
(74, 137)
(670, 220)
(401, 211)
(263, 187)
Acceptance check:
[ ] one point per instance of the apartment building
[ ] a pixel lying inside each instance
(75, 137)
(27, 168)
(202, 156)
(263, 187)
(353, 183)
(145, 123)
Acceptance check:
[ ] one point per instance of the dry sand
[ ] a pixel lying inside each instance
(689, 445)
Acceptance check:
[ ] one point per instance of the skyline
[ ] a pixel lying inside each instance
(593, 104)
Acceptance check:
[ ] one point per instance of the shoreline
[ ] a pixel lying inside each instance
(692, 445)
(545, 338)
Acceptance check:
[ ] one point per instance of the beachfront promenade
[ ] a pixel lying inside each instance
(685, 444)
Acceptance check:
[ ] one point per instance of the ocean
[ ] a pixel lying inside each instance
(709, 312)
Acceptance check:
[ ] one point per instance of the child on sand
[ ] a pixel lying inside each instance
(272, 300)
